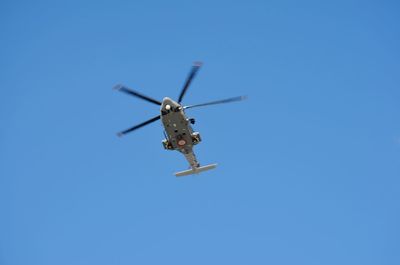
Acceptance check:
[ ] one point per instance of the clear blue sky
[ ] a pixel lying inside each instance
(309, 165)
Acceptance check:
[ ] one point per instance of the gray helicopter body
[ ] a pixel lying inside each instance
(179, 133)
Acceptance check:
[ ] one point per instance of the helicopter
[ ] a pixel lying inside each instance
(178, 132)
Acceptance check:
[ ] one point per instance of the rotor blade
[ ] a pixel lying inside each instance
(228, 100)
(138, 126)
(196, 66)
(136, 94)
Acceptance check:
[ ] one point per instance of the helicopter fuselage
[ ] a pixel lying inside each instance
(178, 131)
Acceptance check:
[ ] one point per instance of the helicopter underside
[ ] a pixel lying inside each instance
(179, 133)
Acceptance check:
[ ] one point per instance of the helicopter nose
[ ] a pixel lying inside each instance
(169, 105)
(170, 102)
(166, 104)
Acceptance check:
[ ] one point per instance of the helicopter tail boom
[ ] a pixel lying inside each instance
(195, 170)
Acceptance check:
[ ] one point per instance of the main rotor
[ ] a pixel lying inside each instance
(195, 68)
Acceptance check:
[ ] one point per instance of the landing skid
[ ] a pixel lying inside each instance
(195, 170)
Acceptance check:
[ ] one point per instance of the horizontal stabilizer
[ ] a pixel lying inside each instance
(195, 170)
